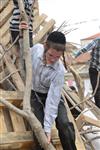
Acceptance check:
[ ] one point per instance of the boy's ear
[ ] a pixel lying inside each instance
(45, 45)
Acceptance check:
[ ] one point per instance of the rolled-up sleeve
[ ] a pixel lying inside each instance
(52, 101)
(87, 48)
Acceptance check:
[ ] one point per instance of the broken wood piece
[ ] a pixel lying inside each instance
(82, 119)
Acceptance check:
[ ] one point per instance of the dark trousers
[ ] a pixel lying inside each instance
(14, 34)
(93, 73)
(65, 128)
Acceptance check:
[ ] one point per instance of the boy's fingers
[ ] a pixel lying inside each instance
(48, 137)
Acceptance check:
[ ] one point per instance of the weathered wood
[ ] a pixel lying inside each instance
(16, 137)
(5, 39)
(79, 82)
(6, 13)
(82, 119)
(3, 4)
(11, 67)
(95, 110)
(3, 127)
(58, 147)
(72, 95)
(17, 122)
(43, 31)
(12, 95)
(4, 29)
(38, 21)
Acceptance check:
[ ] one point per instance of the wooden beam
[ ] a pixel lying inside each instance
(17, 122)
(11, 140)
(82, 119)
(6, 13)
(12, 68)
(38, 21)
(14, 97)
(3, 4)
(3, 127)
(5, 28)
(11, 95)
(16, 137)
(5, 39)
(49, 25)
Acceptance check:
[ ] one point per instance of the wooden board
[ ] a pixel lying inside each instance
(3, 4)
(6, 13)
(17, 122)
(3, 128)
(5, 39)
(5, 29)
(38, 21)
(19, 138)
(48, 26)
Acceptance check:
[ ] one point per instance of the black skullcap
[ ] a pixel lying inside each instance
(57, 37)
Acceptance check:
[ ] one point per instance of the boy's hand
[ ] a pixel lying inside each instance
(23, 25)
(69, 59)
(48, 137)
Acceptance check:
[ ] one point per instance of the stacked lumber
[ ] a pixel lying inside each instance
(15, 129)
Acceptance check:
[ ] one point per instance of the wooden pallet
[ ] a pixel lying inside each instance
(15, 133)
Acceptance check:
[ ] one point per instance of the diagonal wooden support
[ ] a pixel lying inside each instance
(82, 119)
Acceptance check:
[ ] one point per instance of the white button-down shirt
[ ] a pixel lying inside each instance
(47, 79)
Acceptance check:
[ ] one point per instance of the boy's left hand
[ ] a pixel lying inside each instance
(23, 25)
(48, 137)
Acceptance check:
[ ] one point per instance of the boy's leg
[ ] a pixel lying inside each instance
(38, 110)
(65, 128)
(93, 73)
(31, 38)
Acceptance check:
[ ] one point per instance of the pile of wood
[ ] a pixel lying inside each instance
(17, 120)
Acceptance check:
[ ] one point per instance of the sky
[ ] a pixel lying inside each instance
(74, 12)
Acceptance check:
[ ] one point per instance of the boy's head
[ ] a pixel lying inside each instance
(57, 41)
(55, 46)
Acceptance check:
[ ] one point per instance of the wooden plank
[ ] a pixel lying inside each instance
(58, 147)
(43, 31)
(89, 120)
(16, 140)
(36, 8)
(3, 127)
(16, 137)
(95, 110)
(55, 137)
(17, 146)
(17, 122)
(6, 13)
(5, 28)
(3, 4)
(14, 97)
(38, 21)
(7, 119)
(80, 122)
(5, 39)
(12, 68)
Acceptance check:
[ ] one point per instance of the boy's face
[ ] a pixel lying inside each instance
(52, 55)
